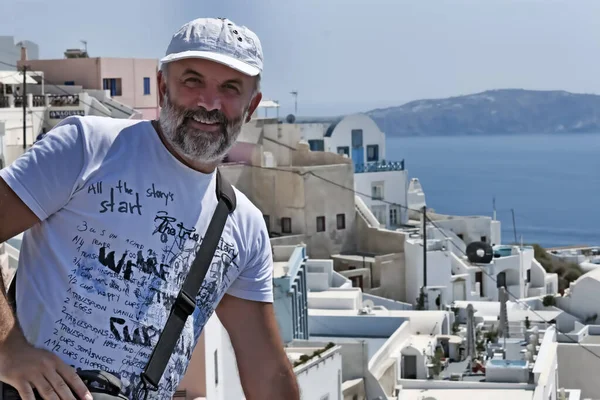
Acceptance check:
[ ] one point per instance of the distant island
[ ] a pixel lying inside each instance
(503, 111)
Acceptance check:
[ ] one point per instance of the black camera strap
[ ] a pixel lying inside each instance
(186, 300)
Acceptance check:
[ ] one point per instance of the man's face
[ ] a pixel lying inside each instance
(204, 105)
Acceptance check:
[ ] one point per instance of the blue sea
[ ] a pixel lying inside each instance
(551, 181)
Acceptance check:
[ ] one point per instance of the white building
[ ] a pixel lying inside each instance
(514, 267)
(581, 298)
(46, 106)
(378, 178)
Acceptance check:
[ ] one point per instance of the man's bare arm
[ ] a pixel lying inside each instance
(15, 217)
(22, 365)
(254, 334)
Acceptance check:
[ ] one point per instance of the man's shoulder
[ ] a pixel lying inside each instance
(245, 210)
(247, 216)
(101, 126)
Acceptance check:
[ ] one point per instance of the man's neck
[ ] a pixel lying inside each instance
(195, 165)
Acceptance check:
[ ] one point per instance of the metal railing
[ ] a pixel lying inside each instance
(39, 100)
(58, 100)
(379, 166)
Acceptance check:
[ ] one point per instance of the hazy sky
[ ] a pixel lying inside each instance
(349, 55)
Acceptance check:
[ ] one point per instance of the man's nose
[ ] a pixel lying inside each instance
(210, 99)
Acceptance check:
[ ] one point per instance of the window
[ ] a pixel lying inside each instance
(373, 152)
(146, 86)
(344, 150)
(357, 137)
(394, 215)
(114, 85)
(316, 145)
(380, 213)
(341, 221)
(461, 236)
(267, 222)
(69, 83)
(216, 357)
(377, 190)
(484, 238)
(528, 275)
(320, 224)
(286, 225)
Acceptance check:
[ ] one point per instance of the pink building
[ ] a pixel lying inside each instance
(131, 81)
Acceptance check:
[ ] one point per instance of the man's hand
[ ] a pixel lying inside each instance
(252, 328)
(25, 368)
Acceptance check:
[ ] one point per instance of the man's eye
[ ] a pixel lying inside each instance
(231, 87)
(192, 82)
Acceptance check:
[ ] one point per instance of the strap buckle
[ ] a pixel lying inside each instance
(185, 304)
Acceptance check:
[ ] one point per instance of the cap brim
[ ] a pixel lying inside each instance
(216, 57)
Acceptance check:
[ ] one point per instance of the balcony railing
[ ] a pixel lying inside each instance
(39, 100)
(47, 100)
(59, 100)
(379, 166)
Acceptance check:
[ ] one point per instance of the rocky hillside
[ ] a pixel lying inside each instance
(505, 111)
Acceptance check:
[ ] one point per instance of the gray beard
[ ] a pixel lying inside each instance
(194, 144)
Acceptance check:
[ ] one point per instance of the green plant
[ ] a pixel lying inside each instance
(421, 300)
(317, 353)
(567, 271)
(436, 360)
(527, 323)
(491, 336)
(549, 301)
(480, 346)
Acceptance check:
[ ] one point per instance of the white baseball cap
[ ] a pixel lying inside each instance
(219, 40)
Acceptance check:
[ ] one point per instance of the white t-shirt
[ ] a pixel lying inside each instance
(121, 218)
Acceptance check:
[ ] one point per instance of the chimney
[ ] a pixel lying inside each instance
(23, 53)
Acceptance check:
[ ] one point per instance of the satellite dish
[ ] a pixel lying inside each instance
(480, 253)
(290, 119)
(369, 303)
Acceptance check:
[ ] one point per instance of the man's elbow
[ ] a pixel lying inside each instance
(281, 384)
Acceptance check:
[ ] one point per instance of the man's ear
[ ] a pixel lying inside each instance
(162, 87)
(253, 105)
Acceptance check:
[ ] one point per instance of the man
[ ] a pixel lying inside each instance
(112, 211)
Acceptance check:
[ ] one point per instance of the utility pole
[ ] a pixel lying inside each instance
(494, 206)
(24, 103)
(295, 94)
(424, 246)
(514, 225)
(423, 297)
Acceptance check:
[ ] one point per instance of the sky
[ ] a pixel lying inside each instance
(345, 56)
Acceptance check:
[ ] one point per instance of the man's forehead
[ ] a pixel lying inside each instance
(206, 68)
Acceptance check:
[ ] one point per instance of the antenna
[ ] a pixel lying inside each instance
(295, 94)
(494, 206)
(85, 45)
(512, 210)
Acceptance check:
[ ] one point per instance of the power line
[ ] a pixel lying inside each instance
(517, 300)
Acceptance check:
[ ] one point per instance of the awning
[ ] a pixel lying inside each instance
(268, 104)
(15, 78)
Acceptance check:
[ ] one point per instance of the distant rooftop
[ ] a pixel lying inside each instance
(314, 120)
(460, 394)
